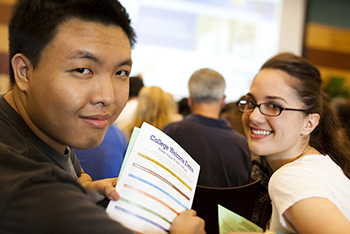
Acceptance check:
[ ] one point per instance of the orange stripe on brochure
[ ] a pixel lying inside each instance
(161, 178)
(165, 168)
(150, 196)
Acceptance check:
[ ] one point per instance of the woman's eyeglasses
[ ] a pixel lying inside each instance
(268, 109)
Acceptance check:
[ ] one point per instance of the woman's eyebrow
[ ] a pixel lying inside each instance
(276, 98)
(249, 94)
(269, 97)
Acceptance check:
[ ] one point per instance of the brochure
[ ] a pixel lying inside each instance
(157, 181)
(229, 221)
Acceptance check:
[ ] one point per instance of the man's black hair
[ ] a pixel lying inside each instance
(34, 23)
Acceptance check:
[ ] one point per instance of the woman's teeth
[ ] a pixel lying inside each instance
(261, 132)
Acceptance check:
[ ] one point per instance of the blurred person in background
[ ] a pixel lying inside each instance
(221, 151)
(105, 160)
(231, 113)
(153, 107)
(174, 108)
(135, 85)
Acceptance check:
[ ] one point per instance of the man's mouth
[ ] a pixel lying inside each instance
(99, 121)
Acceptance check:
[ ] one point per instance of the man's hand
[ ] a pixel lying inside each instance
(99, 189)
(187, 223)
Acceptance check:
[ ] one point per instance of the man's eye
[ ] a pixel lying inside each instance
(83, 70)
(122, 73)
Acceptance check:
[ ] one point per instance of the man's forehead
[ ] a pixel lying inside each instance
(77, 31)
(85, 27)
(100, 44)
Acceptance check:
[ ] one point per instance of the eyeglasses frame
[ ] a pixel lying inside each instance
(256, 105)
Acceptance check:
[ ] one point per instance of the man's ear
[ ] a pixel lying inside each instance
(311, 123)
(21, 66)
(190, 101)
(223, 102)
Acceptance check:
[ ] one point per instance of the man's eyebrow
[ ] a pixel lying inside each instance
(126, 62)
(81, 54)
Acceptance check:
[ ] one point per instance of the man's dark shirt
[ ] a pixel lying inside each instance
(221, 151)
(39, 191)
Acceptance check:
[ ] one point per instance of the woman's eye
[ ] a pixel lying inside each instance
(83, 70)
(251, 103)
(273, 106)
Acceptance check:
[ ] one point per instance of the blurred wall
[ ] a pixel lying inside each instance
(327, 38)
(5, 12)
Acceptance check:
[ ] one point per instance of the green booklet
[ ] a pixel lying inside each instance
(229, 221)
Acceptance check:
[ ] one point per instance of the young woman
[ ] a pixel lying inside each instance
(288, 120)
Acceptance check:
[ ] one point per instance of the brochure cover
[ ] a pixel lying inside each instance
(157, 181)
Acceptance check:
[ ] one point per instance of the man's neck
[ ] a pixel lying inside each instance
(14, 99)
(210, 110)
(10, 100)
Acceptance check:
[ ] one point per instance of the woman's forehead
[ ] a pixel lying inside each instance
(273, 84)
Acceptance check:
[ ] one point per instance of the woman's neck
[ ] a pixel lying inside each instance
(276, 162)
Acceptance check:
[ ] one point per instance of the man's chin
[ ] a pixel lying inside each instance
(89, 144)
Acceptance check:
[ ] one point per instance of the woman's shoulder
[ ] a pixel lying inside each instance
(311, 172)
(304, 166)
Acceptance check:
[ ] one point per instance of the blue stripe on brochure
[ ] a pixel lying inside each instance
(155, 186)
(140, 217)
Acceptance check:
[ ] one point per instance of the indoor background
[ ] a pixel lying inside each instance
(326, 43)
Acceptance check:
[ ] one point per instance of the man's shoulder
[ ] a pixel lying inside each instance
(182, 124)
(12, 138)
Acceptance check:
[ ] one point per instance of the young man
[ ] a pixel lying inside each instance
(69, 69)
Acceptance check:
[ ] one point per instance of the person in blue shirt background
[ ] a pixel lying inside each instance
(105, 160)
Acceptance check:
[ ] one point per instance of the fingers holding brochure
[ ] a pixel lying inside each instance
(156, 184)
(187, 223)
